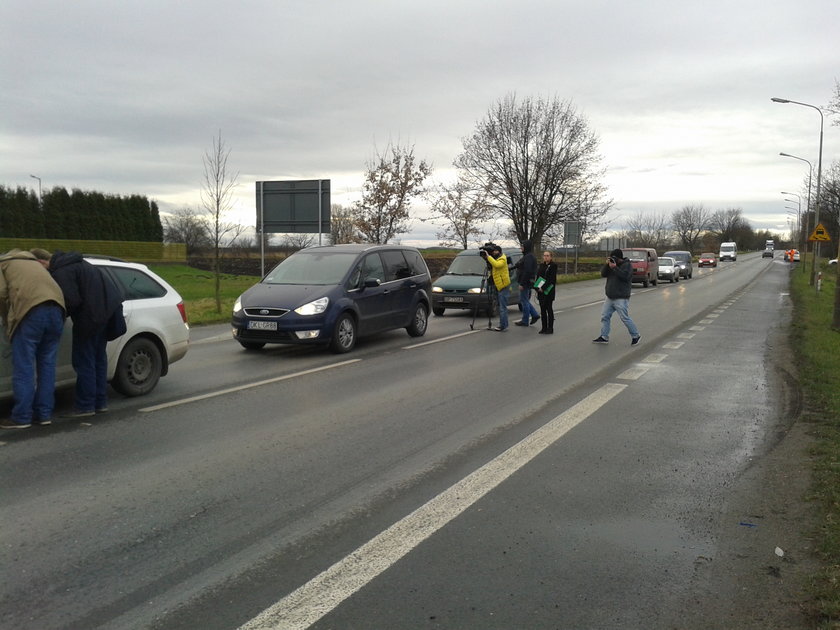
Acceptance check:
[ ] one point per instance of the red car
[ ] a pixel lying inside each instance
(707, 260)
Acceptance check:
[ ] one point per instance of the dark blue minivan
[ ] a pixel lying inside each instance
(334, 294)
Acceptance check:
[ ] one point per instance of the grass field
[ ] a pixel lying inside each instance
(819, 368)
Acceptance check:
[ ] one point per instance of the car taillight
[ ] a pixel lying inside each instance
(183, 310)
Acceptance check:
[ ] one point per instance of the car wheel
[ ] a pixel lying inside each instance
(138, 368)
(437, 310)
(251, 345)
(655, 281)
(417, 327)
(645, 283)
(344, 334)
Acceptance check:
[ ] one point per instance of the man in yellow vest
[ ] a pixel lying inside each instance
(497, 260)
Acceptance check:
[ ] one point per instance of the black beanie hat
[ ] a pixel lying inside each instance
(616, 253)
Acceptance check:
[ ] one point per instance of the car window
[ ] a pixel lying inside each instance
(372, 268)
(666, 261)
(135, 284)
(318, 267)
(635, 255)
(416, 262)
(396, 267)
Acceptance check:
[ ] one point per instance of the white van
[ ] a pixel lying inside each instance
(728, 251)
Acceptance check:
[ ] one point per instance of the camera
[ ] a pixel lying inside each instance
(488, 248)
(613, 260)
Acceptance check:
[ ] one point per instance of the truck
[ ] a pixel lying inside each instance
(728, 251)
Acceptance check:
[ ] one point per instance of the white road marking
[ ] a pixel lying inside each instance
(673, 345)
(323, 593)
(634, 373)
(587, 305)
(707, 321)
(427, 343)
(655, 358)
(697, 328)
(686, 335)
(239, 388)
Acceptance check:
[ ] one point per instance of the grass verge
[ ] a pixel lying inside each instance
(197, 287)
(819, 368)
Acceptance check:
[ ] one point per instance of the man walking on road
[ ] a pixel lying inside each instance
(527, 267)
(619, 274)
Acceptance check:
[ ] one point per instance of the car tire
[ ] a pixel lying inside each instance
(655, 281)
(344, 334)
(438, 310)
(419, 321)
(645, 283)
(138, 368)
(251, 345)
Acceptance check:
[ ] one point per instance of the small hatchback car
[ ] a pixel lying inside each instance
(157, 335)
(707, 259)
(334, 294)
(668, 269)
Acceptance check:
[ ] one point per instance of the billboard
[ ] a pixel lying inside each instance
(293, 206)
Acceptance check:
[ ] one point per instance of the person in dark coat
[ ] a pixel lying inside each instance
(618, 271)
(527, 267)
(92, 299)
(546, 279)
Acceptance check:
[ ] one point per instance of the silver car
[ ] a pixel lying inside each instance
(668, 269)
(157, 335)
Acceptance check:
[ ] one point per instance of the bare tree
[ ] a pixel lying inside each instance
(464, 210)
(648, 229)
(186, 225)
(216, 194)
(726, 224)
(392, 179)
(689, 223)
(531, 157)
(342, 225)
(294, 241)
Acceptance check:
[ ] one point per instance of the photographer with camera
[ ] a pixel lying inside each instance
(619, 274)
(494, 257)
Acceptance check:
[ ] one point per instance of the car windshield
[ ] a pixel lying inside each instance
(635, 255)
(707, 255)
(315, 267)
(679, 257)
(467, 266)
(668, 262)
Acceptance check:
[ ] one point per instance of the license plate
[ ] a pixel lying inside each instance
(257, 325)
(453, 299)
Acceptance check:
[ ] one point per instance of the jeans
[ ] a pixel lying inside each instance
(91, 364)
(503, 308)
(620, 306)
(528, 310)
(34, 351)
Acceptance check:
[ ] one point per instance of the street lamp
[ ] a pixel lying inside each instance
(798, 215)
(819, 176)
(808, 208)
(40, 207)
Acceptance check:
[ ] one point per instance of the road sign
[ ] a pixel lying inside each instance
(819, 234)
(293, 206)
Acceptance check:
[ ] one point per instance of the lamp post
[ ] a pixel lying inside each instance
(808, 208)
(40, 206)
(819, 176)
(798, 216)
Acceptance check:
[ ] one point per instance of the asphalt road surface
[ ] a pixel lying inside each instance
(466, 479)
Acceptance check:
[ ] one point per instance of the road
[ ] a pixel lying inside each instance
(467, 479)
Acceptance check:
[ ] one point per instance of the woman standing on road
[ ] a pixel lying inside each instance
(546, 279)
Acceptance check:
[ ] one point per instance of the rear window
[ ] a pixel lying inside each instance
(134, 284)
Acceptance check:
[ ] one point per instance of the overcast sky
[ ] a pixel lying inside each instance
(124, 97)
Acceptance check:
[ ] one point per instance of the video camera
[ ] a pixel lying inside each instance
(488, 248)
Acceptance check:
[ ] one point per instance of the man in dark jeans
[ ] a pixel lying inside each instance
(32, 309)
(91, 299)
(527, 267)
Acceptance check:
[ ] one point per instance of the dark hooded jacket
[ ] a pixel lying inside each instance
(527, 265)
(619, 280)
(90, 297)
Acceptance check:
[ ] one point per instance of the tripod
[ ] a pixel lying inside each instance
(484, 285)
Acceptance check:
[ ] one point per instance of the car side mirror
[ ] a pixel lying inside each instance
(371, 282)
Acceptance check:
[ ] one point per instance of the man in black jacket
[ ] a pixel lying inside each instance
(618, 271)
(91, 299)
(527, 267)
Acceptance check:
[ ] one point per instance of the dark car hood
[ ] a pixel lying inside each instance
(288, 296)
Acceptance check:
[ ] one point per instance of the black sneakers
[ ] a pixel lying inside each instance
(600, 340)
(635, 340)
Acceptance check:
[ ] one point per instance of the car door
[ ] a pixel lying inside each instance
(398, 277)
(371, 301)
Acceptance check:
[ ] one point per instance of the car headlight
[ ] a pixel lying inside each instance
(437, 290)
(313, 308)
(475, 290)
(237, 306)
